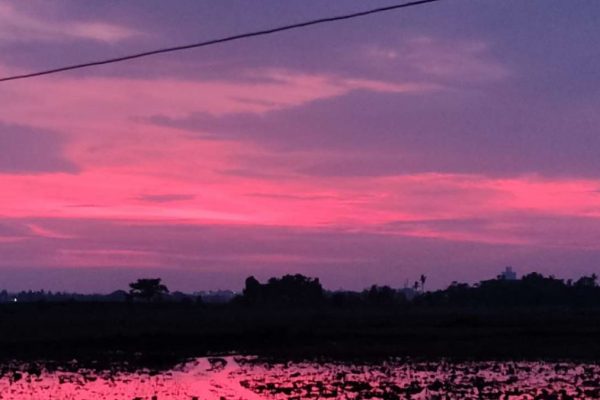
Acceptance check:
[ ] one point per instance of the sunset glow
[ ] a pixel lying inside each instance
(450, 141)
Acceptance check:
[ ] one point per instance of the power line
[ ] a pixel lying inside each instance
(216, 41)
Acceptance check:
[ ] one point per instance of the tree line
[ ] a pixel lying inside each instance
(532, 290)
(297, 290)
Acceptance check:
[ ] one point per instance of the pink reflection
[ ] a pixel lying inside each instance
(196, 380)
(247, 378)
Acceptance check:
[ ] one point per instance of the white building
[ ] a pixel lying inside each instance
(508, 274)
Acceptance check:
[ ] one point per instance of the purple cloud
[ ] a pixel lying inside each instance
(385, 133)
(166, 198)
(192, 257)
(25, 149)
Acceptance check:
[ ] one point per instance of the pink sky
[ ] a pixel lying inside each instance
(442, 142)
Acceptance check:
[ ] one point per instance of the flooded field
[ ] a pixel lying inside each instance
(250, 378)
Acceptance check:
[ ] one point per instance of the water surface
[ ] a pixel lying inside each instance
(250, 378)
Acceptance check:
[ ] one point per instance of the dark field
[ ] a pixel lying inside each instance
(165, 333)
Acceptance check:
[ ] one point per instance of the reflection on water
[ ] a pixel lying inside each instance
(249, 378)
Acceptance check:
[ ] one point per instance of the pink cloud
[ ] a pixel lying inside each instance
(441, 59)
(20, 24)
(360, 204)
(40, 231)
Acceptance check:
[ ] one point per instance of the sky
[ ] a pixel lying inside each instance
(450, 139)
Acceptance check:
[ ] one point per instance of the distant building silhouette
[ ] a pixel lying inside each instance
(508, 274)
(216, 296)
(408, 293)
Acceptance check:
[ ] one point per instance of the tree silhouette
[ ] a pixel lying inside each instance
(147, 289)
(532, 290)
(383, 296)
(423, 279)
(586, 281)
(287, 290)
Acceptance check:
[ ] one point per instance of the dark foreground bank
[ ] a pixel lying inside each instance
(165, 333)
